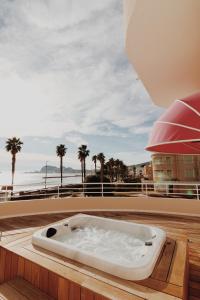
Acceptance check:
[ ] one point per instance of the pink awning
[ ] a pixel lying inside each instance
(178, 129)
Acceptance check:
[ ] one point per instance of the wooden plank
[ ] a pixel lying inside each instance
(87, 294)
(194, 292)
(27, 290)
(14, 265)
(2, 264)
(35, 275)
(193, 298)
(157, 285)
(7, 239)
(28, 270)
(9, 293)
(44, 280)
(63, 289)
(161, 271)
(103, 276)
(20, 269)
(53, 285)
(100, 297)
(74, 291)
(7, 271)
(17, 241)
(77, 277)
(177, 268)
(194, 285)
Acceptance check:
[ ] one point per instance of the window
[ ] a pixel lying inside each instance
(187, 159)
(158, 160)
(169, 174)
(168, 160)
(189, 173)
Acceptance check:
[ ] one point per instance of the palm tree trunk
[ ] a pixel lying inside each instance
(84, 172)
(61, 171)
(95, 167)
(13, 167)
(101, 172)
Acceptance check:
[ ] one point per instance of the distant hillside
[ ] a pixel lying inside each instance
(53, 169)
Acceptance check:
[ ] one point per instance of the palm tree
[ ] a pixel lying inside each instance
(13, 145)
(61, 151)
(83, 152)
(80, 157)
(94, 159)
(134, 172)
(116, 167)
(101, 159)
(122, 170)
(111, 164)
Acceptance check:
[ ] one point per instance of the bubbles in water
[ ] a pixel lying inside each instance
(111, 245)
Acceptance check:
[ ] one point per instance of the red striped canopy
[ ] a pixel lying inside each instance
(178, 129)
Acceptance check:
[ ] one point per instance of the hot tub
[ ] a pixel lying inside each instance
(121, 248)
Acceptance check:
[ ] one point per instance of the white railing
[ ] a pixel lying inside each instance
(154, 189)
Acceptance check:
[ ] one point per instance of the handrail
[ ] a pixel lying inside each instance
(162, 189)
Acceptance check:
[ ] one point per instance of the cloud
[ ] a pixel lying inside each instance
(133, 157)
(64, 73)
(75, 139)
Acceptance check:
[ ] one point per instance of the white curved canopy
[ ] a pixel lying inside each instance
(163, 44)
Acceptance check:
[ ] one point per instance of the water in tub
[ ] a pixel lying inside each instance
(111, 245)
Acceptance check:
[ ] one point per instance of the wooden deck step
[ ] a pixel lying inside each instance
(194, 289)
(193, 298)
(19, 289)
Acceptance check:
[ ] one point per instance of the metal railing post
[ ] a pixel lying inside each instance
(83, 189)
(146, 189)
(58, 191)
(197, 188)
(6, 194)
(166, 187)
(102, 189)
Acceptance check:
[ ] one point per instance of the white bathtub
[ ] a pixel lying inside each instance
(121, 248)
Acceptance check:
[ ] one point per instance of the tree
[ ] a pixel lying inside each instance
(61, 151)
(134, 172)
(93, 186)
(110, 168)
(13, 145)
(117, 169)
(101, 159)
(94, 159)
(83, 152)
(123, 170)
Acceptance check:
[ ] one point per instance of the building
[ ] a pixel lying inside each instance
(143, 170)
(167, 167)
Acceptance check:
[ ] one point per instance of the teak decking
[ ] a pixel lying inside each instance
(65, 279)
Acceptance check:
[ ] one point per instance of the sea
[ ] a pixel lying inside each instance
(31, 181)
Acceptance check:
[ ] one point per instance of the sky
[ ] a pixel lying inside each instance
(65, 78)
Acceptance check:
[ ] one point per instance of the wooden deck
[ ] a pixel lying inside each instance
(82, 282)
(19, 289)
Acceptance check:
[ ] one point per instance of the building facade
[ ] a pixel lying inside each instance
(143, 170)
(184, 168)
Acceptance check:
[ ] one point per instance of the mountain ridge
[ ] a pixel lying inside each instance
(54, 169)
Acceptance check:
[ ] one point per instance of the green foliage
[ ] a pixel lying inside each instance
(61, 150)
(83, 153)
(94, 187)
(13, 145)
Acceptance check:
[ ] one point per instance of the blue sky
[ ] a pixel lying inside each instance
(65, 78)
